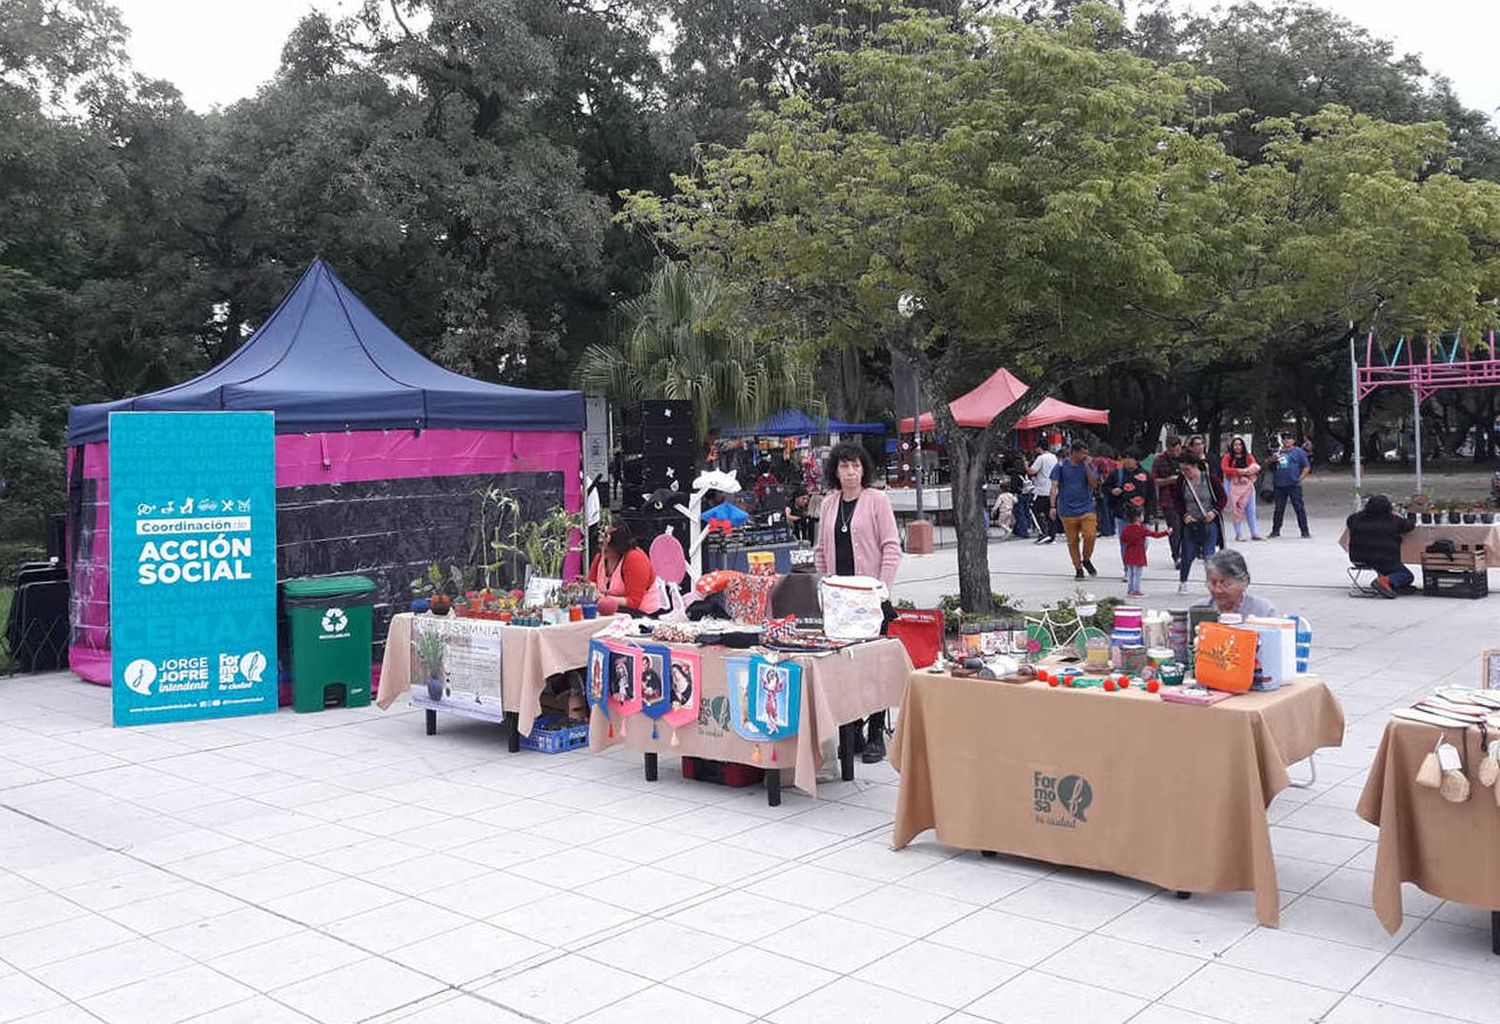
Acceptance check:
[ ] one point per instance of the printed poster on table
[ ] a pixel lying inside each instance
(192, 519)
(472, 662)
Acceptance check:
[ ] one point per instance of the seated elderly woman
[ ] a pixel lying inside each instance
(1228, 578)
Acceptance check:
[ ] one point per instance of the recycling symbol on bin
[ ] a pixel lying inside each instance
(335, 621)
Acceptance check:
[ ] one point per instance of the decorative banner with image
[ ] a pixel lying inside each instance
(776, 697)
(598, 675)
(741, 700)
(656, 697)
(192, 518)
(685, 688)
(624, 679)
(471, 663)
(656, 668)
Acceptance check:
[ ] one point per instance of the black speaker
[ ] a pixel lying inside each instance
(652, 473)
(678, 441)
(667, 413)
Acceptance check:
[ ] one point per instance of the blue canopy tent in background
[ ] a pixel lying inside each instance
(795, 423)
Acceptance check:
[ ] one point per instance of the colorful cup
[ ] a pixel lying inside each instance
(1171, 673)
(575, 613)
(591, 611)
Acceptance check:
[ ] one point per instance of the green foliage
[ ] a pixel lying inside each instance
(430, 651)
(32, 468)
(683, 339)
(544, 542)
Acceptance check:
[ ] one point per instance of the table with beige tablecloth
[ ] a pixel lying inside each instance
(1449, 850)
(1415, 542)
(1123, 782)
(529, 654)
(839, 687)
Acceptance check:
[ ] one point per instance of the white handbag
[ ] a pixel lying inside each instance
(852, 606)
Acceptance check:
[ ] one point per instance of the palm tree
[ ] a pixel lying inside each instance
(681, 339)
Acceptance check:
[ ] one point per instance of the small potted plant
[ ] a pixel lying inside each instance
(430, 654)
(1471, 515)
(428, 592)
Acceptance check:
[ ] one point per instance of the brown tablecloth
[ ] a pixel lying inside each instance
(528, 655)
(1447, 849)
(1171, 794)
(841, 687)
(1415, 542)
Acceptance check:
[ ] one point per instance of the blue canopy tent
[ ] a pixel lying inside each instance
(323, 361)
(380, 453)
(795, 423)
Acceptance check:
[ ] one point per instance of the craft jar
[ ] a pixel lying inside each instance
(1096, 654)
(1170, 673)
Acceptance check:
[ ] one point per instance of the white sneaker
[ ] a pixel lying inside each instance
(1182, 588)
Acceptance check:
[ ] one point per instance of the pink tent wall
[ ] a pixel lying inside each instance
(304, 460)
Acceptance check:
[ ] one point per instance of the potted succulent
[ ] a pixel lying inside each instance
(430, 654)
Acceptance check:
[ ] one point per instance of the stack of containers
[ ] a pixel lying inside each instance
(1304, 643)
(1177, 634)
(1127, 634)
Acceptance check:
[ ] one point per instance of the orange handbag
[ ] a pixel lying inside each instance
(1226, 657)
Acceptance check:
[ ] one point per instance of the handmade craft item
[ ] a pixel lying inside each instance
(655, 677)
(737, 671)
(1225, 657)
(775, 699)
(852, 606)
(1429, 772)
(1489, 765)
(684, 690)
(624, 682)
(596, 682)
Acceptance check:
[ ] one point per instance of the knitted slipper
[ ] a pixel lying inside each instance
(1430, 774)
(1454, 787)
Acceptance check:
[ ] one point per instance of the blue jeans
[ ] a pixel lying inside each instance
(1133, 577)
(1293, 494)
(1398, 576)
(1106, 517)
(1023, 516)
(1193, 547)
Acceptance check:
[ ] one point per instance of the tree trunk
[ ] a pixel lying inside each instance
(968, 517)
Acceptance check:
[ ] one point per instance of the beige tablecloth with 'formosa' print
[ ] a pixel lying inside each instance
(1172, 794)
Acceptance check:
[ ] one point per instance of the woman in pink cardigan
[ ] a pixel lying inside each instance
(857, 537)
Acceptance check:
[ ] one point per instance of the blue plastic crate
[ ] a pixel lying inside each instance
(553, 734)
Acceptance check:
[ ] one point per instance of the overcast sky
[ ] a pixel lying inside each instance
(218, 51)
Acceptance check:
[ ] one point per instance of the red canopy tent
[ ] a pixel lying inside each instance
(1000, 391)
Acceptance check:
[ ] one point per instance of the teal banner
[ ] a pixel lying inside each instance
(192, 520)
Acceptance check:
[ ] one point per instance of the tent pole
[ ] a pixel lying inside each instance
(916, 432)
(1354, 405)
(1416, 429)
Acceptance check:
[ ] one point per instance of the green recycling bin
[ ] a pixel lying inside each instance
(329, 621)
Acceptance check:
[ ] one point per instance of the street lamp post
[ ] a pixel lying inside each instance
(909, 305)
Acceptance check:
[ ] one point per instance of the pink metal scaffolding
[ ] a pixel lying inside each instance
(1442, 366)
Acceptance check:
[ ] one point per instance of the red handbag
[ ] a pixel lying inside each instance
(921, 632)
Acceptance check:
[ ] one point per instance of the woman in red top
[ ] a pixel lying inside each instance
(1240, 473)
(623, 571)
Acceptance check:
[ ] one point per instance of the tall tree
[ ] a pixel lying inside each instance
(1036, 195)
(683, 339)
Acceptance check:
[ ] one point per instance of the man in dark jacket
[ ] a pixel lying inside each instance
(1375, 540)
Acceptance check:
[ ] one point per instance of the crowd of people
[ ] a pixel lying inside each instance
(1183, 493)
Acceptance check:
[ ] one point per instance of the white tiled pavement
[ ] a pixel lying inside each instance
(344, 867)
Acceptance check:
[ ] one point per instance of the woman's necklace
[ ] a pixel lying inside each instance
(843, 517)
